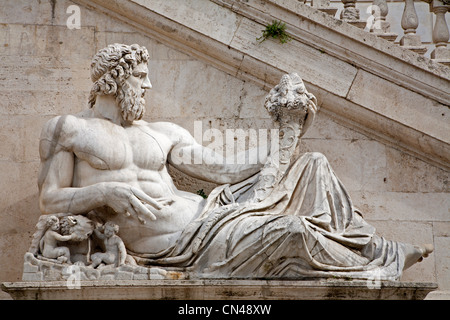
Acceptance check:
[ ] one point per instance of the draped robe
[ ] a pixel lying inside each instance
(307, 228)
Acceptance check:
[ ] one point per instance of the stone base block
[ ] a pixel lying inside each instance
(35, 269)
(218, 290)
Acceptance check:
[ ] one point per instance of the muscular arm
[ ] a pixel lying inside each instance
(56, 174)
(203, 163)
(56, 193)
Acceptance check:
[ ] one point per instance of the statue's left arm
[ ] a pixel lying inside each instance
(197, 161)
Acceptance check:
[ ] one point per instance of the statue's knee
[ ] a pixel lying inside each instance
(63, 251)
(293, 225)
(315, 156)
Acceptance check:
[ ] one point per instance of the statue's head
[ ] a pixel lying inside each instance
(121, 70)
(53, 223)
(289, 94)
(110, 229)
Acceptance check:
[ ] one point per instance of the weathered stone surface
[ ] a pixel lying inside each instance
(390, 100)
(337, 75)
(219, 290)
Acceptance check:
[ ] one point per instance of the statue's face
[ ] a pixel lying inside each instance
(55, 226)
(131, 96)
(139, 78)
(109, 231)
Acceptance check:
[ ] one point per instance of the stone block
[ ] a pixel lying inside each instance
(442, 253)
(442, 53)
(15, 184)
(32, 41)
(165, 102)
(29, 268)
(398, 103)
(123, 275)
(326, 127)
(402, 206)
(20, 137)
(156, 276)
(210, 19)
(441, 229)
(411, 40)
(336, 77)
(220, 290)
(107, 277)
(405, 173)
(35, 276)
(51, 274)
(140, 276)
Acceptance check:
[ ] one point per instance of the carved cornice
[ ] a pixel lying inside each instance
(356, 52)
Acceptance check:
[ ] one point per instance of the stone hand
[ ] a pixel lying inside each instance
(76, 237)
(163, 202)
(312, 111)
(130, 201)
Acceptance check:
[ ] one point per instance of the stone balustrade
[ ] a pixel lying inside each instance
(432, 40)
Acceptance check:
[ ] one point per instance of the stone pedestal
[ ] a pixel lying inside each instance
(413, 42)
(324, 6)
(441, 55)
(219, 290)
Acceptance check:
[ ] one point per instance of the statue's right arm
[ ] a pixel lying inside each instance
(56, 193)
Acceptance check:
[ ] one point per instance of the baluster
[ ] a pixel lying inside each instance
(350, 14)
(410, 22)
(324, 6)
(380, 26)
(440, 33)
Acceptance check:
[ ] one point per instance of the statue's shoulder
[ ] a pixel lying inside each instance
(57, 134)
(59, 125)
(171, 130)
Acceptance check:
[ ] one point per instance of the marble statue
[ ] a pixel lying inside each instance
(115, 251)
(279, 216)
(49, 242)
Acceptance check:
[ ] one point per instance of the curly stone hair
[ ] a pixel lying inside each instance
(290, 93)
(112, 225)
(112, 65)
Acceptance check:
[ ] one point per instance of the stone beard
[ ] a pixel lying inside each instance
(131, 102)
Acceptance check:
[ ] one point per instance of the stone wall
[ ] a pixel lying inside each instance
(45, 72)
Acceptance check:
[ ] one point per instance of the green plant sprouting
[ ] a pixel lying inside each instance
(276, 30)
(202, 193)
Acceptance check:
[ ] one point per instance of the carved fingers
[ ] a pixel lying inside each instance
(132, 201)
(145, 198)
(138, 209)
(312, 110)
(142, 205)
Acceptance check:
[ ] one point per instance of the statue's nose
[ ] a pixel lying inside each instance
(146, 84)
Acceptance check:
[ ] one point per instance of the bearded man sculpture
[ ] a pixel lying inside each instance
(289, 218)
